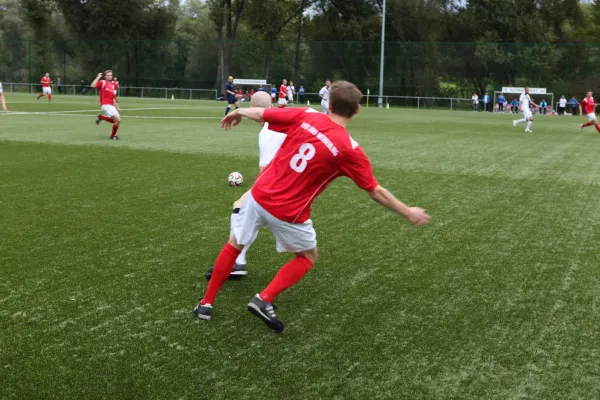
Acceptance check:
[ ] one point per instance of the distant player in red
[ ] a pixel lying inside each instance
(317, 150)
(46, 89)
(107, 91)
(589, 108)
(283, 91)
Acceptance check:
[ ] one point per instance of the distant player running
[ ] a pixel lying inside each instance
(524, 102)
(324, 95)
(589, 107)
(316, 151)
(231, 95)
(283, 94)
(2, 99)
(269, 143)
(46, 89)
(106, 88)
(291, 92)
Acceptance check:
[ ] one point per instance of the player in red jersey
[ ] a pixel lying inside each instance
(46, 89)
(106, 88)
(317, 150)
(590, 111)
(283, 94)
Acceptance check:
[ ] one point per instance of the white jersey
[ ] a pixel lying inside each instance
(269, 143)
(525, 100)
(0, 87)
(475, 99)
(291, 92)
(562, 103)
(324, 92)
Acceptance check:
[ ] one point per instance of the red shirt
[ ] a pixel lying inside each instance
(282, 92)
(107, 92)
(315, 152)
(588, 105)
(45, 81)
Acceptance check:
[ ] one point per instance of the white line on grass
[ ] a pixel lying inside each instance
(93, 115)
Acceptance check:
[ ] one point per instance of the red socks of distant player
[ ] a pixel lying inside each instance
(281, 106)
(288, 275)
(49, 98)
(586, 124)
(223, 267)
(114, 130)
(107, 119)
(590, 124)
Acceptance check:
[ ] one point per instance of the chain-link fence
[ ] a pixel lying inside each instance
(432, 69)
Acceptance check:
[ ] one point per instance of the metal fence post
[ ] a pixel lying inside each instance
(418, 103)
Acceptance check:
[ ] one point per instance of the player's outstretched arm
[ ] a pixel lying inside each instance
(415, 215)
(234, 118)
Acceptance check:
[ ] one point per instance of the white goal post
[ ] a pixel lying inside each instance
(537, 94)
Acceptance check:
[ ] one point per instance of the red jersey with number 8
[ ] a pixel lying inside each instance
(315, 152)
(588, 105)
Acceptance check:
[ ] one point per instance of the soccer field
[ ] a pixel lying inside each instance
(104, 245)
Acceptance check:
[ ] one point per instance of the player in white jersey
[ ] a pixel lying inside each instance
(269, 143)
(324, 94)
(291, 92)
(2, 99)
(524, 102)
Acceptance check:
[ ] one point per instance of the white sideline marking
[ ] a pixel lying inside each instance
(63, 114)
(85, 111)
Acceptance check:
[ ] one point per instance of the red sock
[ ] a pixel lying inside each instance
(114, 131)
(223, 267)
(281, 106)
(49, 97)
(287, 276)
(586, 124)
(107, 119)
(41, 95)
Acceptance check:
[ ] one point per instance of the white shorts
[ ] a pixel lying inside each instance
(288, 237)
(291, 98)
(273, 95)
(47, 90)
(325, 105)
(527, 114)
(591, 117)
(269, 143)
(281, 101)
(110, 111)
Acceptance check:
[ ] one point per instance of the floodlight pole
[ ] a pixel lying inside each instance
(380, 98)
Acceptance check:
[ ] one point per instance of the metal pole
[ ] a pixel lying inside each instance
(380, 99)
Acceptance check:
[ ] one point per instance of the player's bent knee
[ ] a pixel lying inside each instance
(234, 243)
(312, 255)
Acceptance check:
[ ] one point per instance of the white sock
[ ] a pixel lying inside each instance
(521, 120)
(528, 125)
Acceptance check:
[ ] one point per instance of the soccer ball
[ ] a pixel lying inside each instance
(235, 179)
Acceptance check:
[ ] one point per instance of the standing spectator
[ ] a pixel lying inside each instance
(486, 101)
(251, 93)
(83, 88)
(301, 94)
(574, 104)
(562, 104)
(273, 93)
(59, 85)
(475, 99)
(261, 88)
(543, 106)
(501, 101)
(514, 106)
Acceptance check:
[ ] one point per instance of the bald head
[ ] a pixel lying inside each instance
(261, 99)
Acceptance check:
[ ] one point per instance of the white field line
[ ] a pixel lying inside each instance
(126, 117)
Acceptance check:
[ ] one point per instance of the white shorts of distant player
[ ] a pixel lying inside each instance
(47, 90)
(291, 98)
(282, 101)
(591, 117)
(272, 95)
(325, 105)
(269, 143)
(288, 237)
(527, 114)
(110, 111)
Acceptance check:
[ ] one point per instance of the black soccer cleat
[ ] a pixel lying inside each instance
(203, 312)
(266, 312)
(239, 270)
(98, 120)
(114, 137)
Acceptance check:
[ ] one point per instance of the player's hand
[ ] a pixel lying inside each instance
(417, 216)
(233, 118)
(4, 109)
(99, 75)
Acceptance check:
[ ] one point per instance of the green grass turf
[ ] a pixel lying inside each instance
(104, 244)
